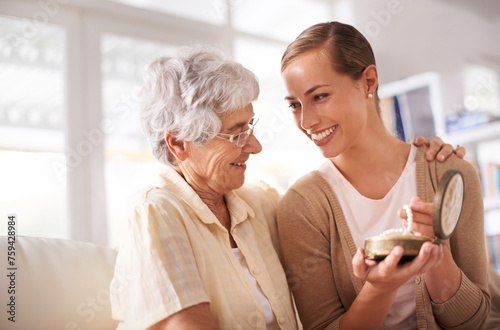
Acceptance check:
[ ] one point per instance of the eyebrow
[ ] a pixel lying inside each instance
(309, 91)
(241, 124)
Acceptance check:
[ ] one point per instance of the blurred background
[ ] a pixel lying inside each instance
(72, 155)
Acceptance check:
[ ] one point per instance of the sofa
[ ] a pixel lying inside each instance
(50, 284)
(64, 284)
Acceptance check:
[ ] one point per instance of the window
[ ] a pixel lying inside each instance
(32, 128)
(129, 164)
(214, 11)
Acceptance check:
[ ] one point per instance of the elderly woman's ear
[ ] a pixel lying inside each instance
(176, 147)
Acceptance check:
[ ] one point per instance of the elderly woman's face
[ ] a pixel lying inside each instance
(219, 165)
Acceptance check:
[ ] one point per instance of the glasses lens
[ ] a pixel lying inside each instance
(243, 138)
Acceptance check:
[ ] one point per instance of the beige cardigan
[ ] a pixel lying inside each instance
(318, 248)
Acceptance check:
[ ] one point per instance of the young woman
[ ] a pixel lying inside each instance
(331, 81)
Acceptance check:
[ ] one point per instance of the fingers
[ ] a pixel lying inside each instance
(435, 146)
(389, 274)
(460, 151)
(438, 149)
(422, 229)
(420, 141)
(429, 256)
(417, 205)
(422, 217)
(402, 212)
(392, 260)
(360, 268)
(387, 268)
(445, 152)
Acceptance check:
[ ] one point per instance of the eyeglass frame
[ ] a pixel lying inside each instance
(235, 138)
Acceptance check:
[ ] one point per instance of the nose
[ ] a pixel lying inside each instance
(253, 145)
(308, 119)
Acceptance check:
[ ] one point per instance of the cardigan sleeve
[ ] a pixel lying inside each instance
(470, 306)
(303, 229)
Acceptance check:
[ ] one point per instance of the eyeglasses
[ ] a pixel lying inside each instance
(240, 139)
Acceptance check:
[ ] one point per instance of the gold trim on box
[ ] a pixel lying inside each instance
(379, 247)
(448, 203)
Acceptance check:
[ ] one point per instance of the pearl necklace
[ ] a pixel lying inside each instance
(402, 231)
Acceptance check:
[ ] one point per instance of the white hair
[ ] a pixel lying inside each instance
(187, 95)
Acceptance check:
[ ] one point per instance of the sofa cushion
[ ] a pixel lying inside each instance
(58, 284)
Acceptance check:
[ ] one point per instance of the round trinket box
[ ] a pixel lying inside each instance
(448, 203)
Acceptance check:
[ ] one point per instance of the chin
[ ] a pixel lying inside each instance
(328, 153)
(333, 150)
(238, 183)
(231, 184)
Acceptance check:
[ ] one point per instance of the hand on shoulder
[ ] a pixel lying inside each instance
(437, 148)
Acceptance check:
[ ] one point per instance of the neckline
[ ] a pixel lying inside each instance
(410, 163)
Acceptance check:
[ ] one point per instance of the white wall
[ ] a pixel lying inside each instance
(410, 37)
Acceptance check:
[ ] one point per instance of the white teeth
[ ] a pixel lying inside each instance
(323, 134)
(238, 164)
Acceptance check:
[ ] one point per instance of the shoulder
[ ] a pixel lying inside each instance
(437, 169)
(309, 195)
(154, 208)
(310, 186)
(470, 175)
(155, 195)
(431, 173)
(309, 204)
(454, 162)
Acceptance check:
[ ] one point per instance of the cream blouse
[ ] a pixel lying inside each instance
(175, 254)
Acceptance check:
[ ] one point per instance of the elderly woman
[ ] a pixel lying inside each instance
(201, 249)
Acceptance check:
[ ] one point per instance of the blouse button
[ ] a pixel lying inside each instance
(282, 320)
(417, 279)
(256, 271)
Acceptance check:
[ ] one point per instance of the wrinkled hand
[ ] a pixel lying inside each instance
(387, 275)
(438, 147)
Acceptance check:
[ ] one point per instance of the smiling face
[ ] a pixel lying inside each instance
(330, 108)
(218, 166)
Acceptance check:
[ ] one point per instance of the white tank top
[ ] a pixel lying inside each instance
(369, 217)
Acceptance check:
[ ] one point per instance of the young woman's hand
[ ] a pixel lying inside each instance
(388, 275)
(422, 217)
(439, 148)
(443, 279)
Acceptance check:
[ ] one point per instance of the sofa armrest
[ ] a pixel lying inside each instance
(56, 284)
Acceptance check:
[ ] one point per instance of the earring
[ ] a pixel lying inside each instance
(370, 96)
